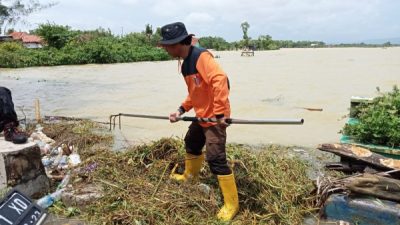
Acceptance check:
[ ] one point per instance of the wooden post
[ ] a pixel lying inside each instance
(37, 111)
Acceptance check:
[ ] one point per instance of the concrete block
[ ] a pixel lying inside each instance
(21, 166)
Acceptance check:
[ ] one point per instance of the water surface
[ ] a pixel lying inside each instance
(272, 84)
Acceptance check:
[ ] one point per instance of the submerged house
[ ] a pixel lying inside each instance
(28, 40)
(5, 38)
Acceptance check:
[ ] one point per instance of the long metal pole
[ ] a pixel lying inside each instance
(228, 120)
(145, 116)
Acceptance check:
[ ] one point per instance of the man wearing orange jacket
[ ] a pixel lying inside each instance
(208, 91)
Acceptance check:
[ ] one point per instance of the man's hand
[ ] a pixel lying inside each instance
(222, 122)
(173, 117)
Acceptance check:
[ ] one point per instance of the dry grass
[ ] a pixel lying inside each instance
(273, 189)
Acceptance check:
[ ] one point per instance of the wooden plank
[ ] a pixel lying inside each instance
(361, 155)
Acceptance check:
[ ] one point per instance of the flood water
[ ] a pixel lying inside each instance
(272, 84)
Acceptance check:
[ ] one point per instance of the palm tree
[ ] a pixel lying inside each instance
(148, 31)
(245, 27)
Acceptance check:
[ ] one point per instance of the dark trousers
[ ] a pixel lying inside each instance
(214, 137)
(7, 112)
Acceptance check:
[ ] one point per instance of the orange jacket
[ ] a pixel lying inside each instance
(208, 86)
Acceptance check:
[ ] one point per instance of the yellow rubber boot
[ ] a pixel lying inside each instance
(231, 199)
(193, 165)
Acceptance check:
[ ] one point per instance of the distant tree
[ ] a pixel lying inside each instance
(158, 31)
(13, 11)
(245, 27)
(156, 37)
(86, 36)
(137, 39)
(148, 31)
(264, 42)
(236, 45)
(9, 31)
(217, 43)
(56, 36)
(387, 44)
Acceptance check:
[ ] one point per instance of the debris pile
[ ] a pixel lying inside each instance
(133, 186)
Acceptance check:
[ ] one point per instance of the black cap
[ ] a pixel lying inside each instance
(173, 33)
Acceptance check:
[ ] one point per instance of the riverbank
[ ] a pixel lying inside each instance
(273, 182)
(104, 50)
(99, 51)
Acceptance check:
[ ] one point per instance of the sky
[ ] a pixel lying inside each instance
(331, 21)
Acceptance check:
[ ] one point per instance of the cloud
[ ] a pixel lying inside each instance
(199, 18)
(129, 2)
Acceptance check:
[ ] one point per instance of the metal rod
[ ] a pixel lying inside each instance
(197, 119)
(269, 121)
(145, 116)
(119, 122)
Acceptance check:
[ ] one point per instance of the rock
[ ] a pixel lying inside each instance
(41, 137)
(81, 197)
(205, 189)
(55, 219)
(35, 188)
(21, 167)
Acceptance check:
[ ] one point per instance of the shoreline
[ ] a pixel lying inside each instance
(212, 50)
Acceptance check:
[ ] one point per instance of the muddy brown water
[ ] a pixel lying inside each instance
(272, 84)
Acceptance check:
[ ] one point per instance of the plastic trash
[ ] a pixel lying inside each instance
(64, 182)
(57, 160)
(91, 167)
(44, 148)
(74, 159)
(63, 163)
(54, 151)
(45, 201)
(47, 149)
(57, 194)
(48, 200)
(46, 161)
(63, 160)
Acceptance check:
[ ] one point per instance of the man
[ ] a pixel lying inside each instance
(208, 90)
(8, 118)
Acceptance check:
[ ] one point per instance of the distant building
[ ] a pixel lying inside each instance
(28, 40)
(6, 38)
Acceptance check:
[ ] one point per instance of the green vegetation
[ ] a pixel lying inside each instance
(379, 121)
(363, 45)
(67, 47)
(273, 187)
(217, 43)
(64, 46)
(264, 42)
